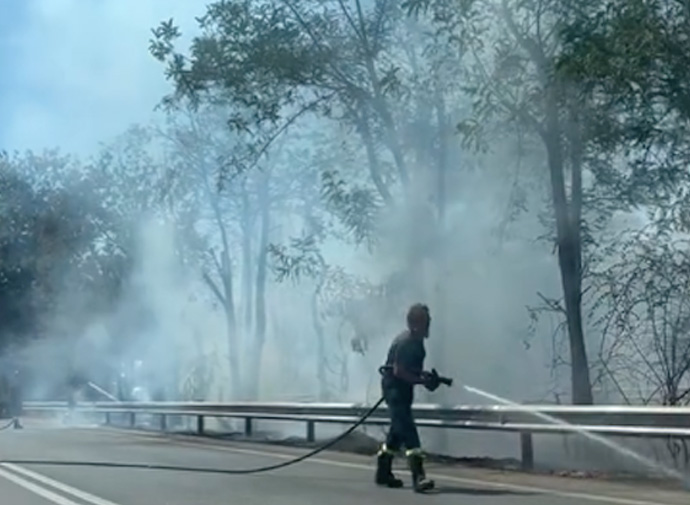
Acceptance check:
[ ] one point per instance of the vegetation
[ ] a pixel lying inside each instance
(433, 141)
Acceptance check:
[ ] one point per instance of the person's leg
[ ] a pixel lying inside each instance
(415, 456)
(384, 466)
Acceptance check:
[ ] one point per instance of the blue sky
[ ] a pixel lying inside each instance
(12, 15)
(74, 73)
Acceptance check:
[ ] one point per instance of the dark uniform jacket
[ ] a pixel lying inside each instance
(408, 352)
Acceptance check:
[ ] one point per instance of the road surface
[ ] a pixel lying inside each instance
(329, 479)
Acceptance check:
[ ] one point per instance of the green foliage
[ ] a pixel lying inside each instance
(251, 56)
(632, 54)
(632, 60)
(356, 206)
(301, 258)
(48, 242)
(269, 64)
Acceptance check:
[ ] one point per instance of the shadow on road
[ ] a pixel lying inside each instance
(471, 491)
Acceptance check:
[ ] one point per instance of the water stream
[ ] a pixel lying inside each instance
(594, 437)
(102, 391)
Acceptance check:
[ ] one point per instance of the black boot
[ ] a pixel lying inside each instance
(419, 481)
(384, 469)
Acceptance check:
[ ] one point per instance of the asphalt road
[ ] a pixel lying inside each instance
(331, 478)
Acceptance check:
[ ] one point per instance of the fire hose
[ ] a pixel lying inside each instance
(243, 471)
(8, 425)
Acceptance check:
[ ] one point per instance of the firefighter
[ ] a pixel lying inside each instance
(403, 370)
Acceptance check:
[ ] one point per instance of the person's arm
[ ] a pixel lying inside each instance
(403, 367)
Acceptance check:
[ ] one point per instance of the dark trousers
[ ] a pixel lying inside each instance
(16, 404)
(403, 430)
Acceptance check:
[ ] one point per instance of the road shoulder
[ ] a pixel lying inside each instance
(588, 490)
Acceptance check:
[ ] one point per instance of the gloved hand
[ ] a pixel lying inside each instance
(431, 380)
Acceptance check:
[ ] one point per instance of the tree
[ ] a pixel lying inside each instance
(19, 240)
(240, 205)
(631, 60)
(358, 70)
(646, 319)
(197, 145)
(52, 243)
(49, 231)
(517, 85)
(341, 304)
(289, 58)
(139, 187)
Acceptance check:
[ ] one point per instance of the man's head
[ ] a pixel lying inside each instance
(419, 319)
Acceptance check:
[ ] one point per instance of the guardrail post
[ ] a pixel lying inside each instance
(164, 422)
(132, 419)
(248, 426)
(527, 450)
(200, 425)
(311, 431)
(107, 418)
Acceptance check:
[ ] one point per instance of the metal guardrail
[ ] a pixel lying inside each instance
(658, 422)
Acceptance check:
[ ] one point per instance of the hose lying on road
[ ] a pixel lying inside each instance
(175, 468)
(8, 425)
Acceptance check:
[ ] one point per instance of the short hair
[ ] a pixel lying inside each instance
(418, 316)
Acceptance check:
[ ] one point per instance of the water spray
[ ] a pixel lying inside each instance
(594, 437)
(102, 391)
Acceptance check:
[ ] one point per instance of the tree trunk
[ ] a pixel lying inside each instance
(378, 101)
(225, 270)
(443, 324)
(231, 326)
(320, 345)
(568, 232)
(319, 331)
(225, 296)
(260, 302)
(442, 157)
(568, 215)
(247, 281)
(362, 121)
(226, 301)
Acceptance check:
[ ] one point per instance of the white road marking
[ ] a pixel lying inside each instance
(77, 493)
(37, 490)
(442, 477)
